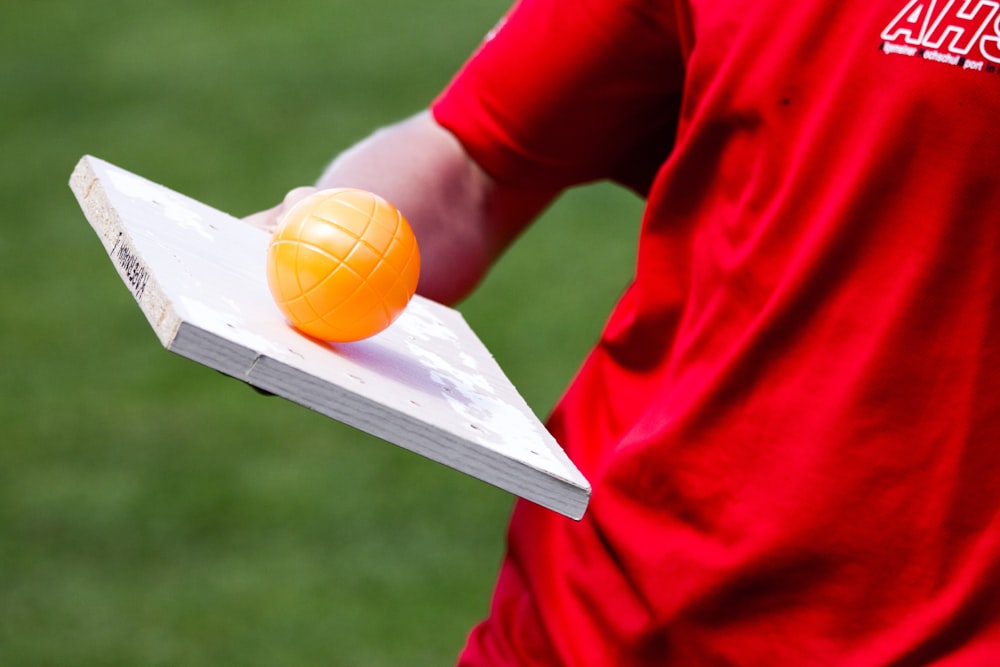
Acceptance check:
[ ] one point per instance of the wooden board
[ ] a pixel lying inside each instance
(426, 383)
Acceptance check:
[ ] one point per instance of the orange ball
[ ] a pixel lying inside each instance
(343, 264)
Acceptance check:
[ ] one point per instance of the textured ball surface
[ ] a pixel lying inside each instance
(343, 264)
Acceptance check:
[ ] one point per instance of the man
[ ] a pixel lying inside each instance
(792, 419)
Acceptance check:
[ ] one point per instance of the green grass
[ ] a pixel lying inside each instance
(153, 512)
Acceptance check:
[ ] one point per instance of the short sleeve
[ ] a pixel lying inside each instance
(564, 93)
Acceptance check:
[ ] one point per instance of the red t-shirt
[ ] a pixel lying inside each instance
(792, 420)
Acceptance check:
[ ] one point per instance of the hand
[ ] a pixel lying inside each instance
(269, 219)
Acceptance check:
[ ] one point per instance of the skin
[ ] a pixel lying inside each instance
(463, 218)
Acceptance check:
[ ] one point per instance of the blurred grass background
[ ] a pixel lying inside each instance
(153, 512)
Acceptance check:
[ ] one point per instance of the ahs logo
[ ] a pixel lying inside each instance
(959, 32)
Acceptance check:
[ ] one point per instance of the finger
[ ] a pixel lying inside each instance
(266, 220)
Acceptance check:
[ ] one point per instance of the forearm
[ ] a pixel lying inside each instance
(424, 172)
(463, 219)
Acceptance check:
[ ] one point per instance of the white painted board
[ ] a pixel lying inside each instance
(426, 383)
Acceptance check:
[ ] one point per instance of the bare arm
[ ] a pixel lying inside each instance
(463, 218)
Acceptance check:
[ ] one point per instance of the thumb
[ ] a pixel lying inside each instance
(269, 219)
